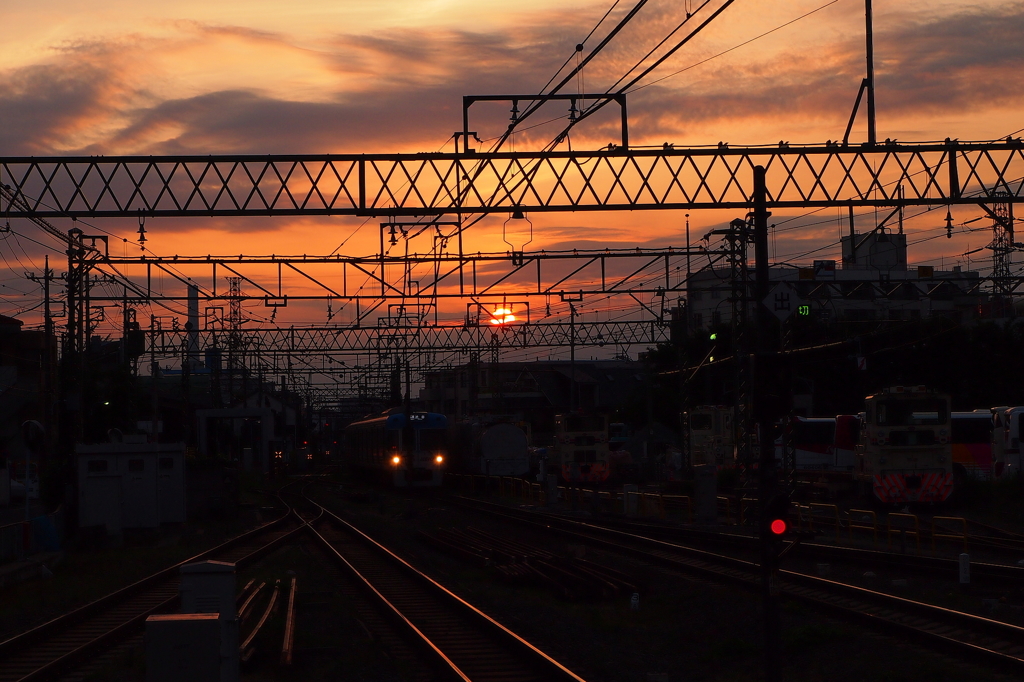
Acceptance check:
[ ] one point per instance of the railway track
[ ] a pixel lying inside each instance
(459, 641)
(940, 567)
(72, 639)
(982, 639)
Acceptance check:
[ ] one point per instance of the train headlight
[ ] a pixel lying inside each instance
(439, 459)
(396, 460)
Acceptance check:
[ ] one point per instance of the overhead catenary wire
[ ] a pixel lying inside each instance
(543, 97)
(601, 103)
(735, 47)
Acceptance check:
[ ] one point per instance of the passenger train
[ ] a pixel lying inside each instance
(376, 448)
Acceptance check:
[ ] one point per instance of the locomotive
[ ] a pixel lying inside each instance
(906, 448)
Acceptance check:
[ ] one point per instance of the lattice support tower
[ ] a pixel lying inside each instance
(1002, 245)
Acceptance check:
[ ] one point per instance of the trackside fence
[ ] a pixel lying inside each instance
(23, 539)
(825, 520)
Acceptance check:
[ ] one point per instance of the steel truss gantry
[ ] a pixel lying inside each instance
(372, 280)
(337, 342)
(333, 362)
(884, 174)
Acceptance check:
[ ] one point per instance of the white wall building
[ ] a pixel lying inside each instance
(130, 485)
(874, 285)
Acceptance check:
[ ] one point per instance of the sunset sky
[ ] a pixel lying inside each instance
(143, 77)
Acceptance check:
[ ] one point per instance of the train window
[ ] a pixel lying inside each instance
(136, 465)
(97, 466)
(814, 433)
(903, 438)
(925, 412)
(971, 430)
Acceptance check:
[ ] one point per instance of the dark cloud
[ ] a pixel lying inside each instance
(42, 105)
(924, 66)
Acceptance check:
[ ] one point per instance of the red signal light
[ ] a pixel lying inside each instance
(778, 526)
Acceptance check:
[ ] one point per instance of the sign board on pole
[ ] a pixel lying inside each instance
(783, 301)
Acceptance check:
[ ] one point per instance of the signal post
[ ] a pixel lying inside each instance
(772, 504)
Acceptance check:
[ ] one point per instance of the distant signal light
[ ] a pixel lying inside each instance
(779, 526)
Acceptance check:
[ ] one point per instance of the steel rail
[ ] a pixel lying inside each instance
(470, 667)
(288, 642)
(20, 654)
(939, 566)
(993, 641)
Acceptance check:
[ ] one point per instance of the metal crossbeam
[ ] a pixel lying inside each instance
(276, 280)
(886, 174)
(340, 341)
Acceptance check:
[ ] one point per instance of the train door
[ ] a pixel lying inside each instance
(999, 440)
(847, 437)
(1012, 439)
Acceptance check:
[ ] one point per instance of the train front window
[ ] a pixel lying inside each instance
(585, 456)
(924, 412)
(700, 422)
(432, 440)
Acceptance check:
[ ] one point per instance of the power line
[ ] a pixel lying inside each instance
(735, 47)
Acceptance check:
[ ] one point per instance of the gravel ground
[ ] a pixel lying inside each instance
(685, 628)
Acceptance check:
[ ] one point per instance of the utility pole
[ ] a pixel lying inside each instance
(871, 72)
(154, 369)
(47, 354)
(572, 357)
(47, 359)
(408, 433)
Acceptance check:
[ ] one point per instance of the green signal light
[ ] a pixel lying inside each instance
(804, 310)
(714, 337)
